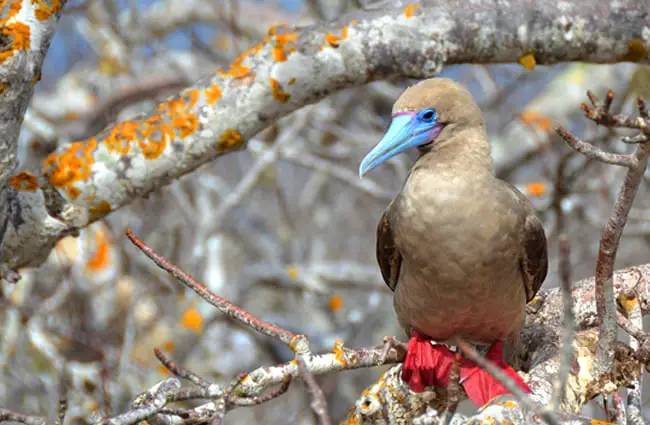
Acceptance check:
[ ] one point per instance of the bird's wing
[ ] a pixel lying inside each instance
(388, 256)
(534, 261)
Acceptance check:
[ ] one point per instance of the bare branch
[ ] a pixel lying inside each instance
(180, 371)
(223, 305)
(8, 415)
(318, 402)
(613, 230)
(592, 152)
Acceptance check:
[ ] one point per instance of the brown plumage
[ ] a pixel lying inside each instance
(462, 250)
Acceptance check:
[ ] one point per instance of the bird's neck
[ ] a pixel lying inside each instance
(466, 151)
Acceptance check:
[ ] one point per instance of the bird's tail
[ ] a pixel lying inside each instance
(429, 365)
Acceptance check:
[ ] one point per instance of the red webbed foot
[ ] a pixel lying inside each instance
(482, 387)
(427, 364)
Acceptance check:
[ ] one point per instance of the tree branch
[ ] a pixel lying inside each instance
(636, 164)
(87, 180)
(27, 29)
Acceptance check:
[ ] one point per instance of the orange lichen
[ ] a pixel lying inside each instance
(490, 421)
(278, 94)
(101, 256)
(185, 124)
(163, 371)
(628, 303)
(99, 210)
(168, 346)
(189, 98)
(212, 93)
(236, 69)
(24, 181)
(290, 37)
(14, 8)
(527, 61)
(597, 422)
(532, 118)
(334, 40)
(411, 9)
(3, 87)
(536, 188)
(292, 271)
(36, 78)
(73, 192)
(279, 55)
(294, 341)
(192, 320)
(636, 51)
(335, 302)
(20, 33)
(281, 49)
(44, 11)
(273, 29)
(508, 404)
(338, 352)
(70, 166)
(230, 139)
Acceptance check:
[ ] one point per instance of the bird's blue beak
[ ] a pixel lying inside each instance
(406, 131)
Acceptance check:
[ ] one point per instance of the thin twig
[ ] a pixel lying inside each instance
(180, 371)
(257, 400)
(318, 401)
(591, 151)
(568, 327)
(636, 164)
(9, 415)
(147, 404)
(222, 304)
(61, 411)
(392, 343)
(453, 391)
(619, 408)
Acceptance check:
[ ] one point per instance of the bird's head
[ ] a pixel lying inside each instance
(425, 115)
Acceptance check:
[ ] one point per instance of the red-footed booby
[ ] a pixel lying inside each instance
(462, 250)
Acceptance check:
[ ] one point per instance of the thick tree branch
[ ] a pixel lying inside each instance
(86, 180)
(27, 28)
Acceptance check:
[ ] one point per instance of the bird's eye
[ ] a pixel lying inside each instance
(428, 115)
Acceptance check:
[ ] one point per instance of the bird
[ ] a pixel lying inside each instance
(462, 251)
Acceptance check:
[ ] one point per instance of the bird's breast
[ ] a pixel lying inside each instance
(460, 269)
